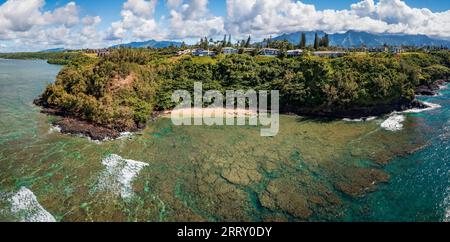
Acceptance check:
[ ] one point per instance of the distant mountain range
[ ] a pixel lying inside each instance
(356, 39)
(149, 44)
(347, 39)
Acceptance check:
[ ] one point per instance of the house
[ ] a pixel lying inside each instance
(331, 54)
(202, 53)
(396, 50)
(378, 49)
(102, 52)
(183, 52)
(269, 52)
(229, 51)
(294, 52)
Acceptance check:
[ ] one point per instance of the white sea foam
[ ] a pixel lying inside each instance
(54, 129)
(396, 119)
(125, 135)
(26, 208)
(360, 119)
(119, 175)
(430, 106)
(394, 123)
(446, 206)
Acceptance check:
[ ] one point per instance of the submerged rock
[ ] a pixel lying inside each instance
(281, 197)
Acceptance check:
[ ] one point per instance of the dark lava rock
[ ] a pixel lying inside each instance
(425, 91)
(73, 126)
(355, 112)
(430, 90)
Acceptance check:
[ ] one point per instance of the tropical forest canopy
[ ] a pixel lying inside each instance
(122, 90)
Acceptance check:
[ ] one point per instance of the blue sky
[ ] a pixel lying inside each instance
(34, 24)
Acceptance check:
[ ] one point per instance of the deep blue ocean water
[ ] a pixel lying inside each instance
(419, 189)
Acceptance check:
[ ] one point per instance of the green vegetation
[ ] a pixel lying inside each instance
(121, 90)
(56, 58)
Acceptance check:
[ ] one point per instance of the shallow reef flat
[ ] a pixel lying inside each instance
(218, 173)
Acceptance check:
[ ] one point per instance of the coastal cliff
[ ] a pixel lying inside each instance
(102, 97)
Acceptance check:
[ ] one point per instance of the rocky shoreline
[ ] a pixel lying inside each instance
(71, 125)
(373, 111)
(77, 127)
(430, 90)
(356, 112)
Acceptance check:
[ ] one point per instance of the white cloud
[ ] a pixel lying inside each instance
(24, 25)
(89, 35)
(265, 17)
(137, 21)
(364, 8)
(67, 15)
(187, 19)
(141, 8)
(192, 19)
(28, 27)
(91, 20)
(20, 15)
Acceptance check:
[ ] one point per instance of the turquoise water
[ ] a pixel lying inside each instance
(21, 81)
(311, 171)
(419, 189)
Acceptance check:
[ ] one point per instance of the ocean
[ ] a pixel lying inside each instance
(391, 168)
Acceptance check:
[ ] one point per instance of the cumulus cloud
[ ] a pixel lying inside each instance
(137, 21)
(24, 23)
(90, 37)
(192, 19)
(18, 15)
(67, 15)
(264, 17)
(364, 8)
(141, 8)
(22, 15)
(187, 19)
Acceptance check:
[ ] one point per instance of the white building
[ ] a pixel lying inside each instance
(229, 51)
(183, 52)
(269, 52)
(396, 50)
(294, 52)
(202, 53)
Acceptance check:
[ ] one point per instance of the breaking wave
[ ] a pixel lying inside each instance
(119, 175)
(26, 208)
(446, 205)
(360, 119)
(396, 119)
(54, 129)
(394, 123)
(430, 106)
